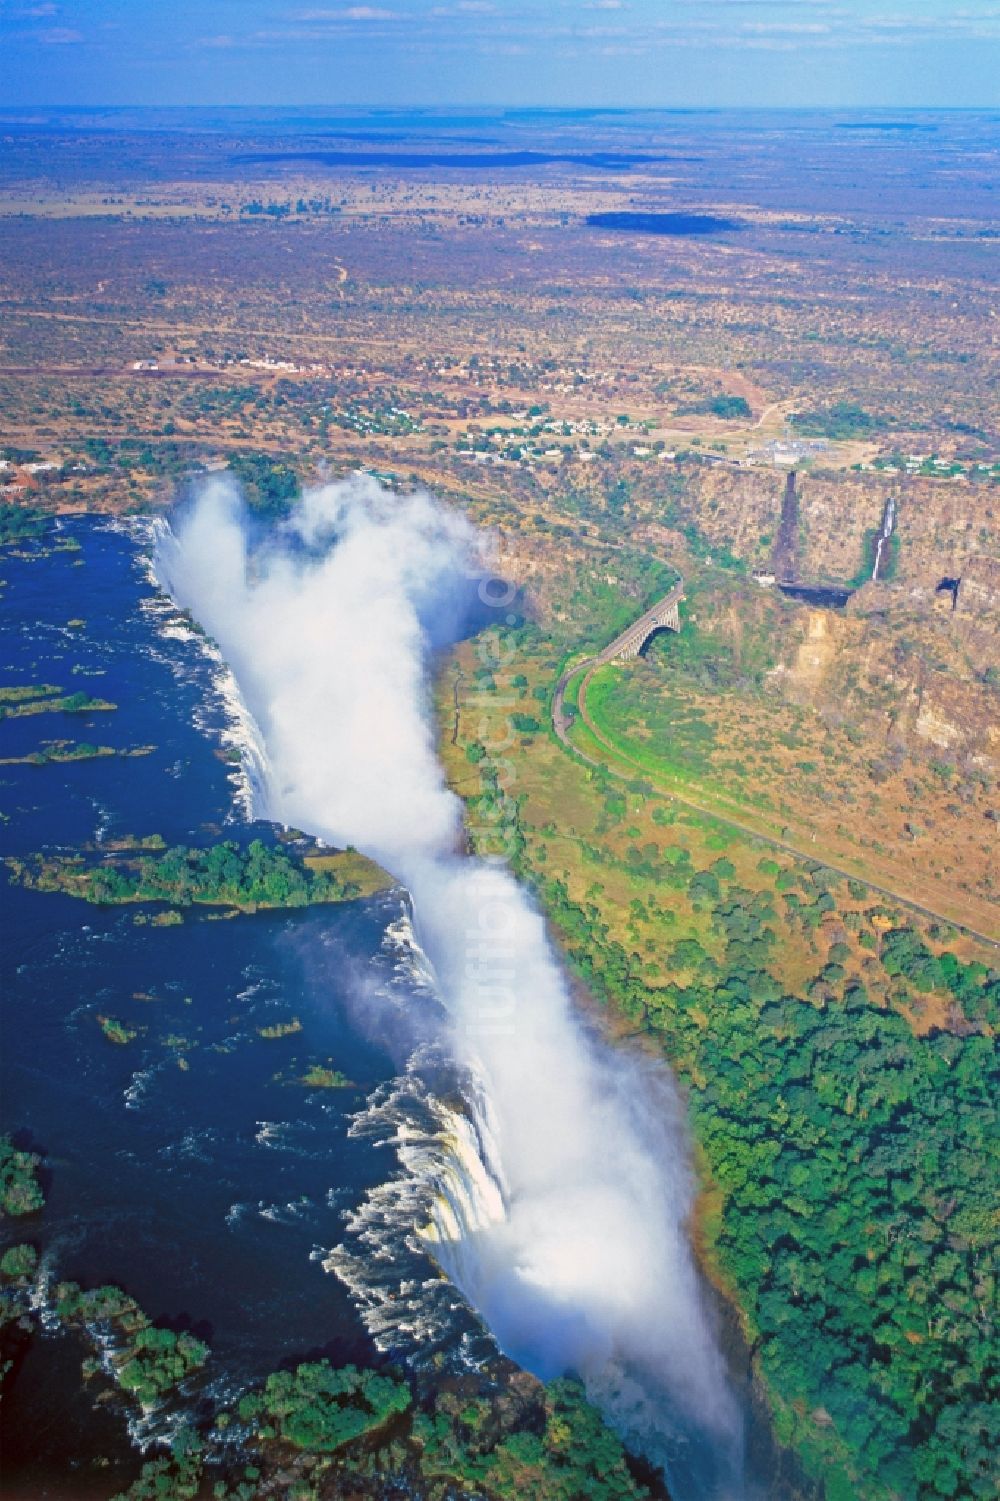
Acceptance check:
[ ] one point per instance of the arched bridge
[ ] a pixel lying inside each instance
(664, 615)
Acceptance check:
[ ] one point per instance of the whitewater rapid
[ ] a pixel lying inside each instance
(888, 522)
(547, 1172)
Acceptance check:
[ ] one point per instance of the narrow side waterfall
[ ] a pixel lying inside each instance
(546, 1172)
(882, 542)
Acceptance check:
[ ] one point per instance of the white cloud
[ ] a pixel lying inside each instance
(580, 1259)
(786, 28)
(59, 36)
(350, 13)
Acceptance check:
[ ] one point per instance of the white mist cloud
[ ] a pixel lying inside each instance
(59, 36)
(582, 1261)
(349, 13)
(328, 645)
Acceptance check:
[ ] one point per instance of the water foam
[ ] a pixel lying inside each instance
(546, 1174)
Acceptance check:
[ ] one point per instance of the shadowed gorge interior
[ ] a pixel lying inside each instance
(567, 1234)
(499, 755)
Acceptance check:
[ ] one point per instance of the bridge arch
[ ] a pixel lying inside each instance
(662, 617)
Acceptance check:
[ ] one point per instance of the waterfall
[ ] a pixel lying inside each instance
(543, 1176)
(888, 521)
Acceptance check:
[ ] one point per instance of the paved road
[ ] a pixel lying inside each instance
(648, 621)
(561, 724)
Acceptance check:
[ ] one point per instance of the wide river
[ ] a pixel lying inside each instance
(180, 1166)
(185, 1166)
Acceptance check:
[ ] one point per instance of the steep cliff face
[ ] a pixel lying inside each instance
(912, 681)
(584, 592)
(965, 615)
(977, 599)
(737, 508)
(955, 716)
(914, 660)
(939, 525)
(909, 664)
(812, 656)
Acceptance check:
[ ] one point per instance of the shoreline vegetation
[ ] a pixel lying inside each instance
(145, 1361)
(838, 1060)
(315, 1429)
(47, 698)
(322, 1076)
(117, 1031)
(257, 877)
(59, 752)
(20, 1191)
(278, 1030)
(599, 399)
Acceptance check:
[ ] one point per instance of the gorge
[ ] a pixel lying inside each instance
(559, 1185)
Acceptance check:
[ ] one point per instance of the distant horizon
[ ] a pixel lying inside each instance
(492, 110)
(528, 54)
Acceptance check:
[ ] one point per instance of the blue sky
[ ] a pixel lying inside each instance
(893, 53)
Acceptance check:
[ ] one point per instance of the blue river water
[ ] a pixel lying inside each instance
(190, 1166)
(181, 1166)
